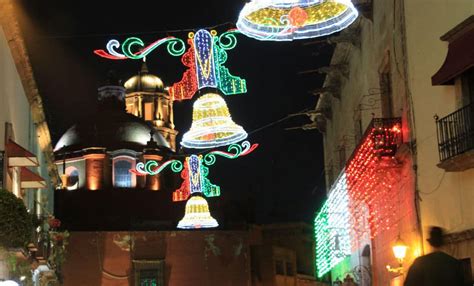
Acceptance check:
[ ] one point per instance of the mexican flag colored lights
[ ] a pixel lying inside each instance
(204, 60)
(197, 215)
(332, 229)
(212, 125)
(287, 20)
(195, 185)
(362, 201)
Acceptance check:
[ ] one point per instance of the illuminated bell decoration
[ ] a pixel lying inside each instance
(287, 20)
(197, 214)
(212, 124)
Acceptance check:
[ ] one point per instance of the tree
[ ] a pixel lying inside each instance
(15, 223)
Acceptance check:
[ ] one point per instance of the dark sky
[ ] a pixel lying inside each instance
(283, 177)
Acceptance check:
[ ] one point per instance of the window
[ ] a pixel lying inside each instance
(279, 268)
(385, 81)
(131, 109)
(149, 272)
(329, 174)
(148, 278)
(467, 270)
(2, 156)
(467, 80)
(358, 129)
(122, 176)
(289, 269)
(149, 111)
(72, 178)
(342, 157)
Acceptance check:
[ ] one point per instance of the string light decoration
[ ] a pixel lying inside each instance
(332, 231)
(287, 20)
(362, 200)
(205, 62)
(174, 46)
(195, 180)
(212, 124)
(195, 183)
(204, 59)
(187, 87)
(197, 215)
(195, 170)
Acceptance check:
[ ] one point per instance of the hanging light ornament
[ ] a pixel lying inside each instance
(205, 61)
(197, 214)
(212, 124)
(287, 20)
(195, 170)
(195, 182)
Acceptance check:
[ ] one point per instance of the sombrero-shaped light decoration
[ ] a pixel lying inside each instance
(212, 124)
(287, 20)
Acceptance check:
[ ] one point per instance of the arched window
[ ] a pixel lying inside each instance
(122, 176)
(72, 178)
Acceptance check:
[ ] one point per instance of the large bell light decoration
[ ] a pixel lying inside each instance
(197, 214)
(287, 20)
(212, 124)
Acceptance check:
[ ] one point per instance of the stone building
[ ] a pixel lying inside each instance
(282, 255)
(380, 73)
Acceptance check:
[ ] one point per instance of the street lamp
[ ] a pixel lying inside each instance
(399, 251)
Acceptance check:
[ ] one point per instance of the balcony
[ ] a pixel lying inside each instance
(456, 140)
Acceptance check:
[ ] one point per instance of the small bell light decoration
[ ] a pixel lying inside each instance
(212, 124)
(287, 20)
(197, 214)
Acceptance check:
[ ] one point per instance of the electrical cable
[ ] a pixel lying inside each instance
(437, 187)
(77, 36)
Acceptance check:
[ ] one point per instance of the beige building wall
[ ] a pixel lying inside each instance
(446, 198)
(21, 110)
(14, 106)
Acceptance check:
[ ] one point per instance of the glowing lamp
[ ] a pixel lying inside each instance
(399, 249)
(197, 215)
(212, 124)
(287, 20)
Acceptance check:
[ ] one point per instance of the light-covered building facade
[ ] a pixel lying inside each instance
(392, 170)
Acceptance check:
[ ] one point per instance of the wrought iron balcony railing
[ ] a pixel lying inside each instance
(456, 132)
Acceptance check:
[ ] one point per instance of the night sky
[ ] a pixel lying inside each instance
(283, 178)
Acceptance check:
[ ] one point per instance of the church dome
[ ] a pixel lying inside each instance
(144, 82)
(109, 129)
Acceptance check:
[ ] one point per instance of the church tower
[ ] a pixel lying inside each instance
(147, 98)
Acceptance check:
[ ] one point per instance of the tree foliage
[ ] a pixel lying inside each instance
(16, 225)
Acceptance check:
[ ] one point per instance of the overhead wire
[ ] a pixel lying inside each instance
(167, 32)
